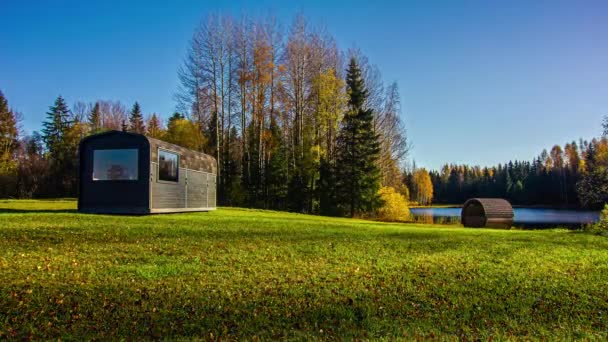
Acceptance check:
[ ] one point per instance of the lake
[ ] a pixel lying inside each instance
(523, 216)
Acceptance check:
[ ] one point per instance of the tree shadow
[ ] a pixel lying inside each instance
(36, 211)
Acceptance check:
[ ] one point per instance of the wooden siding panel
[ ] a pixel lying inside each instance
(205, 190)
(168, 194)
(197, 189)
(212, 191)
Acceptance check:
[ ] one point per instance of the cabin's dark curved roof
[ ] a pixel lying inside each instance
(492, 207)
(190, 159)
(112, 132)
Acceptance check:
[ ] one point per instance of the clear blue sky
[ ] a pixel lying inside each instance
(481, 82)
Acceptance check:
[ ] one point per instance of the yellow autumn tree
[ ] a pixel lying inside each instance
(394, 207)
(154, 127)
(405, 191)
(185, 133)
(331, 101)
(423, 187)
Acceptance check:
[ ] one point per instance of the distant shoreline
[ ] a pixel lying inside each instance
(533, 206)
(436, 206)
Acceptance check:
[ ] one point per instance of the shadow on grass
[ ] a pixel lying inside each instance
(64, 211)
(37, 211)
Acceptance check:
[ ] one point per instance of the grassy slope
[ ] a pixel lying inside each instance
(243, 272)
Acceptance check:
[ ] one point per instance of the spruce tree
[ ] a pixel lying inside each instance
(56, 134)
(358, 177)
(276, 171)
(94, 119)
(327, 188)
(56, 126)
(136, 120)
(175, 116)
(593, 186)
(154, 127)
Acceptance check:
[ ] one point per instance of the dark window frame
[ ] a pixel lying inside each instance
(158, 175)
(115, 149)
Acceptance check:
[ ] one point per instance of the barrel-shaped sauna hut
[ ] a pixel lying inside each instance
(128, 173)
(487, 212)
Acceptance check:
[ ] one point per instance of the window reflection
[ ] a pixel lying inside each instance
(118, 164)
(168, 166)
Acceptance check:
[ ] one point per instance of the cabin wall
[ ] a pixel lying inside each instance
(212, 191)
(167, 194)
(194, 190)
(196, 186)
(114, 196)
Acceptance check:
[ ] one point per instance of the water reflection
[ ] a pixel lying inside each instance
(523, 216)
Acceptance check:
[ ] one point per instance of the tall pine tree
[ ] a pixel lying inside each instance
(136, 120)
(94, 119)
(154, 127)
(57, 135)
(55, 127)
(327, 188)
(357, 174)
(174, 118)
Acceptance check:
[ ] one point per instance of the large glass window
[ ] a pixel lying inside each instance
(168, 166)
(115, 164)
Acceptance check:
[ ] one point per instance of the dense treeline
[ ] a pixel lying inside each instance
(272, 103)
(294, 123)
(45, 163)
(576, 175)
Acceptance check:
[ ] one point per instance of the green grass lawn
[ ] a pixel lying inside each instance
(243, 273)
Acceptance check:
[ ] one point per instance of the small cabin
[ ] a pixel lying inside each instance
(128, 173)
(487, 212)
